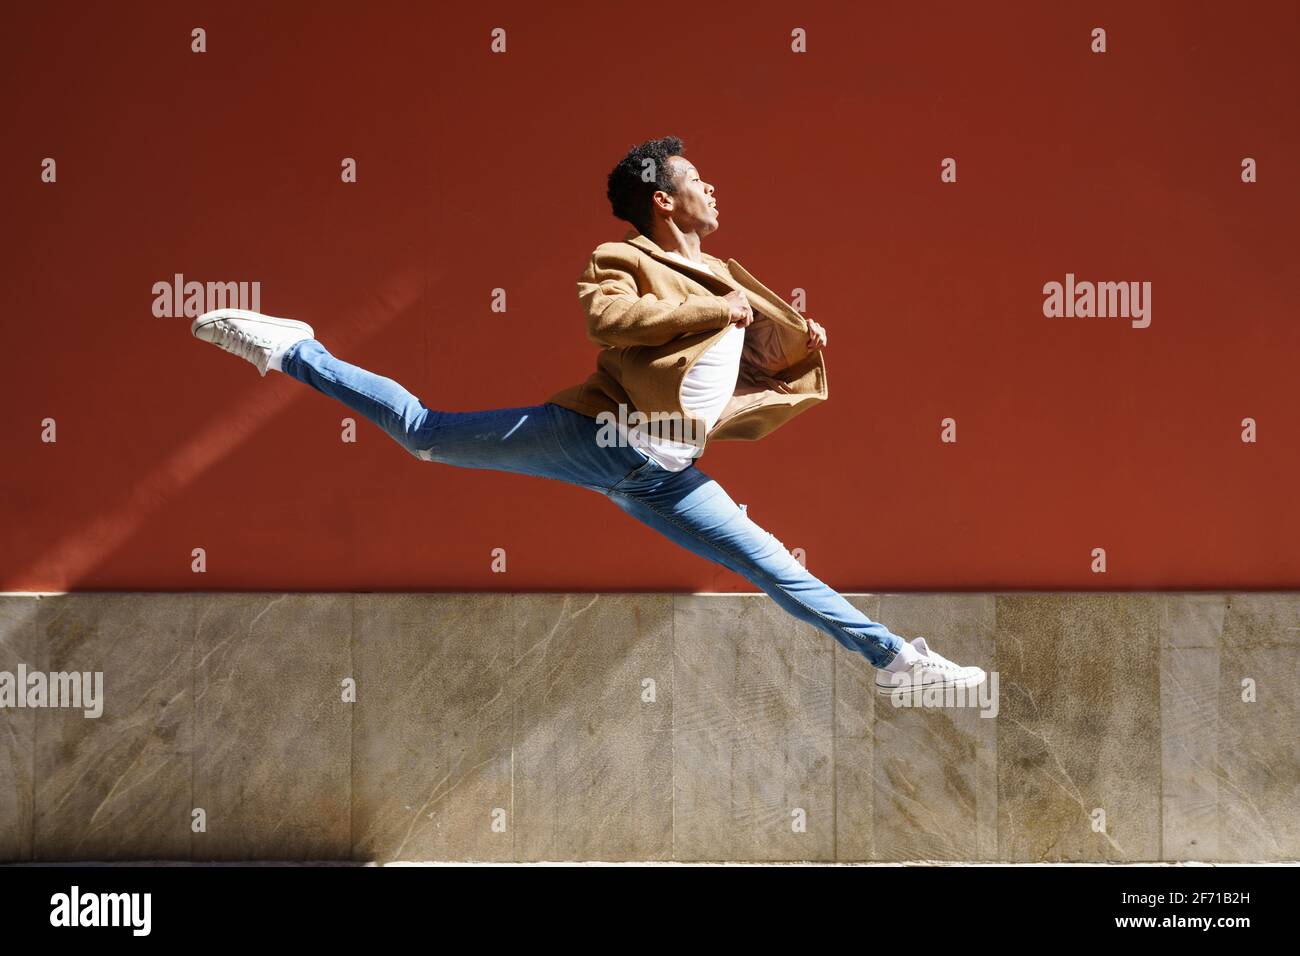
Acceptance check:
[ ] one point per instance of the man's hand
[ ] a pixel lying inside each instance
(741, 313)
(816, 335)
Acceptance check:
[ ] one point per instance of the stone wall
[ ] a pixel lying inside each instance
(649, 727)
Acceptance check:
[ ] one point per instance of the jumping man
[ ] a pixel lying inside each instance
(693, 349)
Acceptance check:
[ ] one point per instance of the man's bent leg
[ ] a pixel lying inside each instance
(693, 510)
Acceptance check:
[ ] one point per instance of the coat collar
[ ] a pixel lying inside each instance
(736, 278)
(649, 246)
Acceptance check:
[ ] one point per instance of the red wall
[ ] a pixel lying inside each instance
(479, 170)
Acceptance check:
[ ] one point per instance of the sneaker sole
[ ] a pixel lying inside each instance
(208, 318)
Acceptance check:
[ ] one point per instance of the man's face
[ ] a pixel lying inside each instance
(693, 206)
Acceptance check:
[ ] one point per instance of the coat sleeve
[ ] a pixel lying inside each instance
(617, 316)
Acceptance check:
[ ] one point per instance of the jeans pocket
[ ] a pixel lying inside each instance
(640, 462)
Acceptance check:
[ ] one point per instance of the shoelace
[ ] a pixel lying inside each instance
(939, 661)
(238, 342)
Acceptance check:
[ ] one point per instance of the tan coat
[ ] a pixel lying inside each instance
(654, 317)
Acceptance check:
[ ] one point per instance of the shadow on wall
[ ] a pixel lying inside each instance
(91, 546)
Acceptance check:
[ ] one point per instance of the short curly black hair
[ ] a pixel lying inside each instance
(630, 191)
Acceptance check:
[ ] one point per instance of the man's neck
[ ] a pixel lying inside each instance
(669, 238)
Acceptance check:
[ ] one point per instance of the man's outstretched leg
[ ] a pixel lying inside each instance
(692, 509)
(547, 440)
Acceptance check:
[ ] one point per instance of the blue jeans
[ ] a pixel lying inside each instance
(551, 441)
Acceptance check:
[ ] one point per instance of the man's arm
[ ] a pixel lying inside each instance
(617, 316)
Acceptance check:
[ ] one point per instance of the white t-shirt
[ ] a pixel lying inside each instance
(706, 389)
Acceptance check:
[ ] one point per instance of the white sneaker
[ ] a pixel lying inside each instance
(932, 670)
(250, 335)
